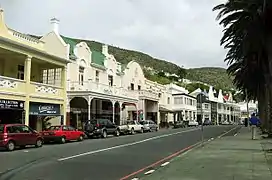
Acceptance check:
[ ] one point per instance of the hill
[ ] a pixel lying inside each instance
(211, 75)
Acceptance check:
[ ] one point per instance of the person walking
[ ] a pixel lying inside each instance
(254, 121)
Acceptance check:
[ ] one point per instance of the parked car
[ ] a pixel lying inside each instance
(13, 135)
(207, 122)
(135, 126)
(62, 133)
(101, 128)
(179, 124)
(149, 125)
(192, 123)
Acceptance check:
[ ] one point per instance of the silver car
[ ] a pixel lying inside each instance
(149, 125)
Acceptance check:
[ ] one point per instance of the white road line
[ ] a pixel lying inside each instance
(135, 179)
(164, 164)
(149, 172)
(235, 134)
(123, 145)
(227, 132)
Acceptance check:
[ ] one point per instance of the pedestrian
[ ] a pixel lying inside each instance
(254, 122)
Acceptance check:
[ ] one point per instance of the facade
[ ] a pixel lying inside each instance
(252, 108)
(32, 79)
(219, 108)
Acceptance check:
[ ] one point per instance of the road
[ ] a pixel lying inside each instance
(103, 159)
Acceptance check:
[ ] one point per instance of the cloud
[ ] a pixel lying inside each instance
(181, 31)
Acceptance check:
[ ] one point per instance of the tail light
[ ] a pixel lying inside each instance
(97, 125)
(5, 135)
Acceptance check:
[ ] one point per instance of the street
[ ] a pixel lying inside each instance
(103, 159)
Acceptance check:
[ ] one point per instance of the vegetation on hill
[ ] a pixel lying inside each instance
(218, 77)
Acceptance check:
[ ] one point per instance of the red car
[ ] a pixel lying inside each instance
(12, 135)
(62, 134)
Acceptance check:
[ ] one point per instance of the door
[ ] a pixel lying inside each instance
(29, 137)
(14, 133)
(66, 132)
(74, 134)
(110, 127)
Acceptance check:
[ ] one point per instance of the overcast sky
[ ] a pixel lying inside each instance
(181, 31)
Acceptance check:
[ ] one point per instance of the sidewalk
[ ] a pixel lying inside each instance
(228, 158)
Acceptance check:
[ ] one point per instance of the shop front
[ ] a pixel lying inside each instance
(43, 115)
(11, 111)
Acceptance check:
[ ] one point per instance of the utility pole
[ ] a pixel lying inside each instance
(201, 117)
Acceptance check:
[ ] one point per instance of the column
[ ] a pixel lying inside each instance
(89, 107)
(158, 115)
(144, 109)
(67, 120)
(137, 113)
(121, 113)
(27, 75)
(113, 111)
(64, 85)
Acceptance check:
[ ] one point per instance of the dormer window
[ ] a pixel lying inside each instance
(110, 79)
(81, 75)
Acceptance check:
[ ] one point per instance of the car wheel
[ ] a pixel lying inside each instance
(39, 143)
(10, 146)
(156, 129)
(81, 138)
(132, 131)
(117, 133)
(63, 139)
(104, 134)
(142, 130)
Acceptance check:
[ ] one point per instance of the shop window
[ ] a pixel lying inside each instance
(21, 72)
(110, 79)
(97, 76)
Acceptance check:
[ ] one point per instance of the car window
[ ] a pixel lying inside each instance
(70, 128)
(22, 129)
(54, 128)
(102, 121)
(109, 122)
(1, 129)
(64, 128)
(130, 122)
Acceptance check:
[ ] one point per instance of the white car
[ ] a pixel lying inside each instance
(193, 123)
(135, 126)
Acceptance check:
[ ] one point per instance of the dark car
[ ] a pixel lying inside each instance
(13, 135)
(101, 128)
(179, 124)
(207, 122)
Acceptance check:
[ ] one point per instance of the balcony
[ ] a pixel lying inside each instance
(101, 89)
(45, 90)
(148, 94)
(13, 86)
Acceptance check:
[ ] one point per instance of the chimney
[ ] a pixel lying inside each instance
(55, 25)
(105, 49)
(1, 15)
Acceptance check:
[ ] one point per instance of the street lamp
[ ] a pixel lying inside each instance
(202, 98)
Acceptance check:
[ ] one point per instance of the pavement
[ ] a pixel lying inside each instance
(232, 157)
(114, 158)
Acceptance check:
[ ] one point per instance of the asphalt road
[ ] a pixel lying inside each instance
(99, 159)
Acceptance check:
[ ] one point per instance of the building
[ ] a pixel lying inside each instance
(32, 79)
(247, 110)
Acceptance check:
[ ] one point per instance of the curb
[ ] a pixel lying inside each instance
(167, 160)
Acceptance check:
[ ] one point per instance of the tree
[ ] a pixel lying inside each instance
(248, 38)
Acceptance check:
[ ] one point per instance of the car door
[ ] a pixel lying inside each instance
(27, 135)
(14, 133)
(137, 126)
(74, 134)
(110, 127)
(66, 132)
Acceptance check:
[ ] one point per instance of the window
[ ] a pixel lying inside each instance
(20, 73)
(65, 128)
(1, 128)
(71, 128)
(177, 100)
(132, 86)
(81, 75)
(206, 106)
(96, 76)
(159, 95)
(110, 79)
(139, 87)
(168, 100)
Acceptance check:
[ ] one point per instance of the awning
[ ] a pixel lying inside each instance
(165, 109)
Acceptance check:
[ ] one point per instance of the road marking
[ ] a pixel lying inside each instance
(181, 152)
(135, 179)
(149, 172)
(123, 145)
(26, 151)
(164, 164)
(235, 134)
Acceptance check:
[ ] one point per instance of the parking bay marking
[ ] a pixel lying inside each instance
(124, 145)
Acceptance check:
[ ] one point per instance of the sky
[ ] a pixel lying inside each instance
(184, 32)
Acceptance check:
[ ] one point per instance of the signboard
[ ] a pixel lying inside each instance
(43, 109)
(11, 104)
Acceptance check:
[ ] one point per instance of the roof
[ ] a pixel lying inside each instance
(98, 58)
(72, 44)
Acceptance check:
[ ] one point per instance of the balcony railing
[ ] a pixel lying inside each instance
(102, 89)
(46, 90)
(148, 94)
(12, 85)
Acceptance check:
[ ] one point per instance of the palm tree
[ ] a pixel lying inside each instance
(248, 38)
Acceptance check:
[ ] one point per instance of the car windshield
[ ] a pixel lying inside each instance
(54, 128)
(1, 128)
(130, 123)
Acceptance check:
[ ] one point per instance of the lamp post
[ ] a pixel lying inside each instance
(202, 97)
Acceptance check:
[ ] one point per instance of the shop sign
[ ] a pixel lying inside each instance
(44, 109)
(11, 104)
